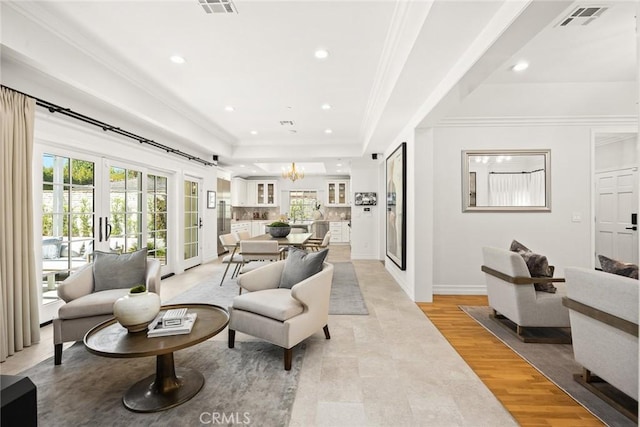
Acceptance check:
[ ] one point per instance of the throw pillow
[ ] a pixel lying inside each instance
(300, 265)
(618, 267)
(537, 264)
(51, 247)
(118, 271)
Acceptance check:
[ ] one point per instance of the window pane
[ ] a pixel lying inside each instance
(82, 173)
(134, 180)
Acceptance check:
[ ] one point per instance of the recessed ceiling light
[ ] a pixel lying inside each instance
(229, 108)
(327, 131)
(520, 66)
(326, 107)
(339, 164)
(241, 166)
(253, 171)
(177, 59)
(321, 53)
(338, 170)
(254, 132)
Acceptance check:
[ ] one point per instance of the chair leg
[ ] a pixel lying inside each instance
(232, 338)
(325, 328)
(57, 358)
(225, 273)
(288, 356)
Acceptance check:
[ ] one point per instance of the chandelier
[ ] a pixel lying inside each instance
(293, 174)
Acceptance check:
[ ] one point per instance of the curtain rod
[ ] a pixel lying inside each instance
(515, 173)
(53, 108)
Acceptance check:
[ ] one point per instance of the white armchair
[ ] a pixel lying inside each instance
(281, 316)
(512, 295)
(85, 308)
(604, 323)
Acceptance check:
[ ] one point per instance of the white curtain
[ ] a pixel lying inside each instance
(517, 189)
(19, 306)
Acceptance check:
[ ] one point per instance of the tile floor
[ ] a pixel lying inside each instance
(392, 367)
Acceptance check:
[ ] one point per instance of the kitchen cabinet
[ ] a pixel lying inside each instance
(241, 226)
(340, 232)
(238, 192)
(257, 227)
(262, 193)
(337, 192)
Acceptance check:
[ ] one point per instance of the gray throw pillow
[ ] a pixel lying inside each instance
(300, 265)
(537, 264)
(118, 271)
(618, 267)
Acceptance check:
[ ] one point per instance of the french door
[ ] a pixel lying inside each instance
(192, 222)
(90, 203)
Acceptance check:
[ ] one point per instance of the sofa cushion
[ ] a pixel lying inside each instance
(94, 304)
(537, 264)
(618, 267)
(301, 265)
(117, 271)
(276, 304)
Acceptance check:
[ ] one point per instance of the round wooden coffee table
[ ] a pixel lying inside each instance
(168, 387)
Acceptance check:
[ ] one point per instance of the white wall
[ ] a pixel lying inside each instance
(459, 237)
(365, 228)
(617, 155)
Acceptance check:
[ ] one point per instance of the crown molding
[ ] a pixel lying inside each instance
(406, 23)
(41, 14)
(614, 120)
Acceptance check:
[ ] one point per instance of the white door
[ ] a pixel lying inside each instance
(616, 199)
(192, 222)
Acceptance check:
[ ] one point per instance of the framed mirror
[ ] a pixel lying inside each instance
(506, 180)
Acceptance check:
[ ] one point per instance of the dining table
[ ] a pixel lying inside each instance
(292, 239)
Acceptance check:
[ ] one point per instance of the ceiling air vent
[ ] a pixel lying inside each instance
(286, 122)
(582, 16)
(218, 6)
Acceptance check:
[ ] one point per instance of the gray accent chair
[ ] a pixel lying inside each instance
(513, 296)
(281, 316)
(603, 308)
(84, 308)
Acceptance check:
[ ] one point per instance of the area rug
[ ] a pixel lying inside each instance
(554, 361)
(246, 385)
(346, 297)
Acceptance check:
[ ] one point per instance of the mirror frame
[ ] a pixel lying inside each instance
(534, 152)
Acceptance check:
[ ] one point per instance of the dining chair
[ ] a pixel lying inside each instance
(230, 243)
(257, 253)
(242, 235)
(316, 245)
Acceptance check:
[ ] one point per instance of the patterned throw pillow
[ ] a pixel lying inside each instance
(537, 264)
(618, 267)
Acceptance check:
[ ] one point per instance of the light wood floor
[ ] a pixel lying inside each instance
(528, 395)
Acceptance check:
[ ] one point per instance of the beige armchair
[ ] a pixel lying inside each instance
(517, 304)
(281, 316)
(85, 308)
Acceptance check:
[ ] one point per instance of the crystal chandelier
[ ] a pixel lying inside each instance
(293, 174)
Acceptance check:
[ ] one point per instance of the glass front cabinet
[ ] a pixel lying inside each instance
(266, 192)
(337, 193)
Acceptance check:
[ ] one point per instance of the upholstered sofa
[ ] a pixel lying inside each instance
(603, 308)
(84, 308)
(512, 295)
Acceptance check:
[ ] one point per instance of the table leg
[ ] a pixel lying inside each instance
(165, 389)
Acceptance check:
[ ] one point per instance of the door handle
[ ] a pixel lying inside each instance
(100, 229)
(107, 228)
(200, 223)
(631, 228)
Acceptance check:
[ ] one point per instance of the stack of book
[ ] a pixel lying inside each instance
(172, 322)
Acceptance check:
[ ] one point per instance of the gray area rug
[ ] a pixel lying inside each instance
(246, 385)
(346, 297)
(554, 361)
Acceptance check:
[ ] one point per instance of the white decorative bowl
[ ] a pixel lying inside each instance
(136, 310)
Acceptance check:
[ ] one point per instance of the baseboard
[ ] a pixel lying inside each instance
(364, 256)
(459, 289)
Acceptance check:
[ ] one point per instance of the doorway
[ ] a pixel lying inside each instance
(616, 196)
